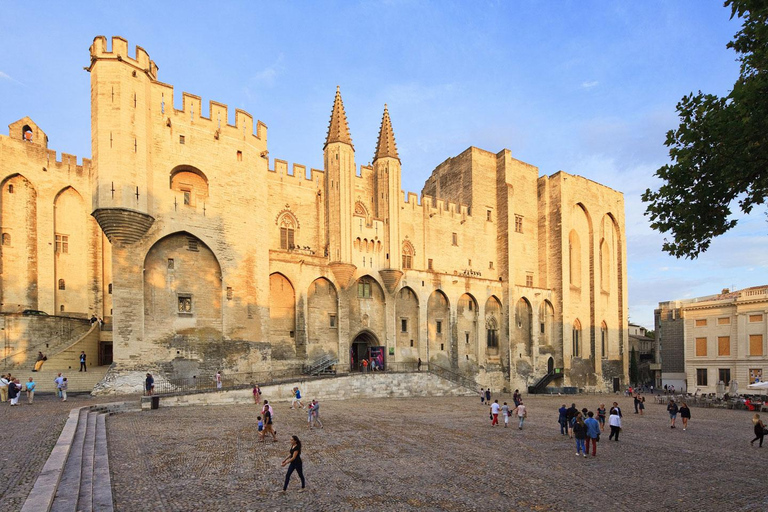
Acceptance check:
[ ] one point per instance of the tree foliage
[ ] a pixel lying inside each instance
(719, 152)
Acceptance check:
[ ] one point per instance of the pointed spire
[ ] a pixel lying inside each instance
(386, 146)
(338, 130)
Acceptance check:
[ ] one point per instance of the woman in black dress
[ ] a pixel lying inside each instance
(294, 463)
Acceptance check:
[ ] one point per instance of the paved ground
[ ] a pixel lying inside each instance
(433, 454)
(28, 433)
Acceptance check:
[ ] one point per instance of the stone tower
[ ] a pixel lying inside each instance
(386, 168)
(120, 132)
(339, 158)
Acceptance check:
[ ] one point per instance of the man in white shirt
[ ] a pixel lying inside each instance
(495, 413)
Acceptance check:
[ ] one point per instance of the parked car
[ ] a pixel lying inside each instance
(33, 312)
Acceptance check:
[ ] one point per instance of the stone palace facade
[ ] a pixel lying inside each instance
(208, 256)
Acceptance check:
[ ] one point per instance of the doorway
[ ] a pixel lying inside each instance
(360, 349)
(550, 365)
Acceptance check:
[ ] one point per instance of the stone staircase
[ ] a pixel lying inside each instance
(77, 382)
(76, 476)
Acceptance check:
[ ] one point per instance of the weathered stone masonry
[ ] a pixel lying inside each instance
(206, 258)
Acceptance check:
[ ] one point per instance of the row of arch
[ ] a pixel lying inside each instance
(68, 238)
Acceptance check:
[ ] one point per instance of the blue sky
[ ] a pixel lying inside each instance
(585, 87)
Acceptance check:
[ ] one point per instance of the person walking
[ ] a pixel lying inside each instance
(505, 413)
(685, 414)
(296, 399)
(269, 428)
(488, 395)
(563, 420)
(618, 409)
(316, 413)
(14, 389)
(495, 413)
(83, 367)
(672, 409)
(521, 414)
(256, 394)
(482, 396)
(418, 365)
(759, 430)
(30, 391)
(593, 432)
(294, 464)
(641, 405)
(636, 400)
(4, 388)
(516, 397)
(580, 433)
(601, 417)
(219, 380)
(614, 420)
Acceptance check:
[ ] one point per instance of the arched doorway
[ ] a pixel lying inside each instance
(365, 346)
(550, 365)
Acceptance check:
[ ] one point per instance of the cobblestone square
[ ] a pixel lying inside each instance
(433, 454)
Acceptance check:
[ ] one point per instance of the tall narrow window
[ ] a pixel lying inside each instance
(755, 344)
(576, 339)
(723, 345)
(6, 239)
(604, 340)
(455, 239)
(492, 332)
(439, 326)
(408, 253)
(403, 325)
(62, 285)
(364, 289)
(429, 264)
(10, 189)
(518, 223)
(701, 347)
(574, 258)
(287, 231)
(701, 376)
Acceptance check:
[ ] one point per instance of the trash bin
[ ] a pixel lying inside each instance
(155, 402)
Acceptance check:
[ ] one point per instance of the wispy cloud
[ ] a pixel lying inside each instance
(6, 76)
(267, 77)
(589, 85)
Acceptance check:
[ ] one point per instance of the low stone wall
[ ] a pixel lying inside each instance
(371, 385)
(24, 336)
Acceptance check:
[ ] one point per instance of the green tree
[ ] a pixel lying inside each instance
(633, 370)
(719, 152)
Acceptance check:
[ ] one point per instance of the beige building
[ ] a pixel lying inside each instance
(208, 255)
(723, 339)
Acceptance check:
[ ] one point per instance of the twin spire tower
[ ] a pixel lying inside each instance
(340, 173)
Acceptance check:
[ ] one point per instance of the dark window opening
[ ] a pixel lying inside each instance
(62, 285)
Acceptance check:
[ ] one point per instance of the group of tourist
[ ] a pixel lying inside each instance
(518, 410)
(586, 428)
(11, 389)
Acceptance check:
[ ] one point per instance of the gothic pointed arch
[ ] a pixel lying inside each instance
(282, 317)
(438, 325)
(367, 306)
(322, 319)
(467, 325)
(288, 227)
(190, 185)
(407, 324)
(524, 324)
(71, 242)
(492, 326)
(18, 257)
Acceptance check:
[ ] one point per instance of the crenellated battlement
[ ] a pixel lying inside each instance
(217, 118)
(119, 52)
(67, 163)
(441, 207)
(298, 172)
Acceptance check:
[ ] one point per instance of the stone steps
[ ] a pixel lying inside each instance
(77, 382)
(76, 476)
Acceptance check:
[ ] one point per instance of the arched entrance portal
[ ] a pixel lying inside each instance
(366, 346)
(550, 365)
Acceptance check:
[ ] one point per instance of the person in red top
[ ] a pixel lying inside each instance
(365, 365)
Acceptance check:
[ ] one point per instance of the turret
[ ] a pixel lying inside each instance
(386, 168)
(339, 156)
(120, 130)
